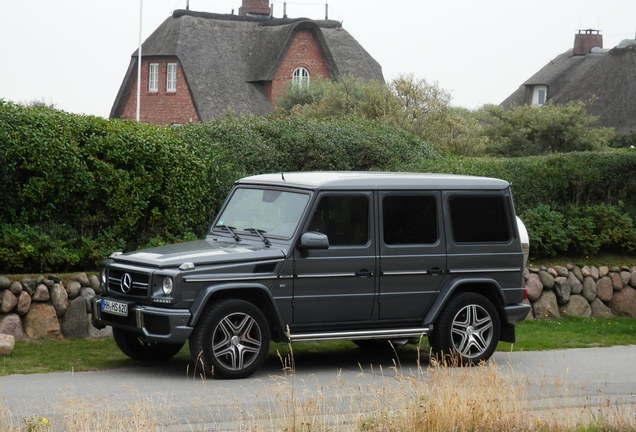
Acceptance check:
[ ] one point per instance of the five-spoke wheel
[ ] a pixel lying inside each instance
(231, 339)
(467, 330)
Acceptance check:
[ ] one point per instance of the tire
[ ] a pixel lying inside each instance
(136, 347)
(467, 330)
(231, 339)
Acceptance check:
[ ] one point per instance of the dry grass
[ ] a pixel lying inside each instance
(435, 398)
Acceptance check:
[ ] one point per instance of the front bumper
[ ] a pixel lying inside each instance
(159, 324)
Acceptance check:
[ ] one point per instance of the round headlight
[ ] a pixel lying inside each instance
(167, 285)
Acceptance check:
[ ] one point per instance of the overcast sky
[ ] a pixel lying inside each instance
(74, 53)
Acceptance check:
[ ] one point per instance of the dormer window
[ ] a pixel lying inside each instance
(539, 95)
(300, 76)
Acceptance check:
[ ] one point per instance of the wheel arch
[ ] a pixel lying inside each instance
(487, 287)
(254, 293)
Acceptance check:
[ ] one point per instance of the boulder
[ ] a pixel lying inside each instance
(562, 290)
(546, 279)
(624, 302)
(7, 301)
(586, 271)
(617, 282)
(5, 283)
(59, 299)
(75, 322)
(600, 310)
(632, 279)
(625, 277)
(604, 288)
(546, 306)
(24, 303)
(41, 293)
(94, 281)
(561, 271)
(577, 306)
(82, 278)
(534, 287)
(41, 322)
(589, 289)
(576, 287)
(7, 343)
(106, 332)
(29, 285)
(603, 271)
(72, 288)
(577, 273)
(16, 288)
(552, 272)
(12, 325)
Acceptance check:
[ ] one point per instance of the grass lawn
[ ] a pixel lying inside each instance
(77, 355)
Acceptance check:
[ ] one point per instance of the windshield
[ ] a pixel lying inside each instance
(274, 213)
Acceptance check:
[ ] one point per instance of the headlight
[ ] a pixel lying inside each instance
(167, 285)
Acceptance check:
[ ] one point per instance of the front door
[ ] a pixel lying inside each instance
(337, 284)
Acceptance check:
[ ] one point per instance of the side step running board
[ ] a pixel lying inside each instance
(362, 334)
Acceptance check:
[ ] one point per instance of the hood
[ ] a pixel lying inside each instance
(200, 252)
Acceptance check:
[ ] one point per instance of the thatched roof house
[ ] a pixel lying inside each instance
(589, 73)
(199, 66)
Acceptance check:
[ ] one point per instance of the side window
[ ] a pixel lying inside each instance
(479, 219)
(343, 218)
(409, 219)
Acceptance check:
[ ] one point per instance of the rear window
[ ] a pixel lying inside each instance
(479, 218)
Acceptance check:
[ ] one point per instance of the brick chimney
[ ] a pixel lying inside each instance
(585, 40)
(254, 7)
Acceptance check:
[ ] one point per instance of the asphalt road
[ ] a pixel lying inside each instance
(178, 397)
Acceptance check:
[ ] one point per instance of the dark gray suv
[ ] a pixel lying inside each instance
(359, 256)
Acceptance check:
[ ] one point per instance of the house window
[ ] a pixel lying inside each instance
(539, 95)
(300, 76)
(171, 81)
(153, 77)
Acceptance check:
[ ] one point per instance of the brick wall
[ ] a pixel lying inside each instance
(304, 51)
(160, 107)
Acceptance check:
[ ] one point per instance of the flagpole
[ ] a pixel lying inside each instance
(141, 2)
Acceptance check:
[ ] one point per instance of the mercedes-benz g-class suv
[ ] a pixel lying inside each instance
(311, 256)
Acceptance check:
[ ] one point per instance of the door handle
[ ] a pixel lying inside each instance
(364, 274)
(436, 271)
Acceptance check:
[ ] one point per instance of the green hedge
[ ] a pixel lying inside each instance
(75, 188)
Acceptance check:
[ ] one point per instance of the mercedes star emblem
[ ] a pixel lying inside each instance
(126, 283)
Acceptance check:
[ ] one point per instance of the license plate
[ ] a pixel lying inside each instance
(115, 308)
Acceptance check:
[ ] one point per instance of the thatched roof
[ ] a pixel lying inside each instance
(228, 59)
(607, 77)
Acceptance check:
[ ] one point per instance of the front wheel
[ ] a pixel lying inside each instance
(231, 339)
(467, 330)
(138, 348)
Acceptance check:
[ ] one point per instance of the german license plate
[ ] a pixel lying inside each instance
(115, 308)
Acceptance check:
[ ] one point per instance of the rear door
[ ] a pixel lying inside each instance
(412, 253)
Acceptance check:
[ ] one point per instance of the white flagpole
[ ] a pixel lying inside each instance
(141, 2)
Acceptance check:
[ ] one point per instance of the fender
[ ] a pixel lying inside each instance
(454, 285)
(237, 290)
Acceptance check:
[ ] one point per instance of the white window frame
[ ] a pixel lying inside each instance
(153, 77)
(171, 77)
(301, 76)
(539, 95)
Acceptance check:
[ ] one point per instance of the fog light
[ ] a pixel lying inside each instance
(167, 285)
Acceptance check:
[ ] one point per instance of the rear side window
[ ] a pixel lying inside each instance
(479, 218)
(409, 219)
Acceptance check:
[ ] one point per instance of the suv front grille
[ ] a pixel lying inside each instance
(129, 283)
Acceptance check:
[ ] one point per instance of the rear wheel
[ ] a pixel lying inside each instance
(138, 348)
(231, 339)
(467, 330)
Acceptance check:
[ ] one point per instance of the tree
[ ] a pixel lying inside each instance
(533, 130)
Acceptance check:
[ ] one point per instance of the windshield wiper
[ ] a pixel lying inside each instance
(259, 232)
(230, 229)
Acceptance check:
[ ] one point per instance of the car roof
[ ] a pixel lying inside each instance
(371, 180)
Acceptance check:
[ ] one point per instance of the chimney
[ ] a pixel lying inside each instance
(585, 40)
(255, 7)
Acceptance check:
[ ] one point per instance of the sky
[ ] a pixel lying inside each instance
(73, 54)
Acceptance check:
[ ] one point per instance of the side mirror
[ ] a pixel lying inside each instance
(314, 240)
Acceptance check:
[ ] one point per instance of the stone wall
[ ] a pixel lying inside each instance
(602, 291)
(52, 307)
(48, 307)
